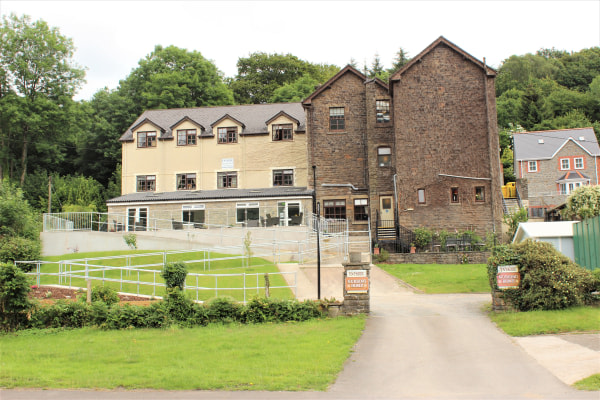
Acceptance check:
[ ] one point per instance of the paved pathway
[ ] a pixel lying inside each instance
(419, 347)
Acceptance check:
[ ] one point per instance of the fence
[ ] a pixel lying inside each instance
(132, 274)
(586, 239)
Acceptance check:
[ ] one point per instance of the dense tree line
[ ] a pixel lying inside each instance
(47, 137)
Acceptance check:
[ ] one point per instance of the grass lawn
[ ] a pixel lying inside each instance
(288, 356)
(202, 262)
(576, 319)
(442, 278)
(589, 383)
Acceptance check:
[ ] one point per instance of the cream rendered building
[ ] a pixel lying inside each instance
(226, 165)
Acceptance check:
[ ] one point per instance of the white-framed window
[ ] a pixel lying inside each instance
(568, 188)
(226, 180)
(283, 132)
(193, 214)
(384, 156)
(579, 163)
(421, 196)
(337, 121)
(247, 211)
(565, 164)
(137, 219)
(361, 209)
(532, 166)
(227, 135)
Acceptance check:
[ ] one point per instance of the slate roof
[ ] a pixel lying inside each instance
(221, 194)
(253, 117)
(527, 145)
(573, 176)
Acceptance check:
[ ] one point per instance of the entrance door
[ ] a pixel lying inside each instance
(386, 210)
(289, 213)
(137, 219)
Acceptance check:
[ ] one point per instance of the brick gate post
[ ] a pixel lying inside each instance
(357, 286)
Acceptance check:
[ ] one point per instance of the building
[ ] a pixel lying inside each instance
(229, 165)
(421, 152)
(549, 165)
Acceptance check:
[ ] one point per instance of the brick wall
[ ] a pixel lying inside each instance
(474, 257)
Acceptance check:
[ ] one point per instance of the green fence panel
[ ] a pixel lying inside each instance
(586, 240)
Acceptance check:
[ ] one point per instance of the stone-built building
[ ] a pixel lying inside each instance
(549, 165)
(422, 151)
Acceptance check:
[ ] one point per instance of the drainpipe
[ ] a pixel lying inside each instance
(340, 185)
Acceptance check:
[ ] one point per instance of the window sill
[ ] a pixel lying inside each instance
(383, 124)
(360, 222)
(336, 132)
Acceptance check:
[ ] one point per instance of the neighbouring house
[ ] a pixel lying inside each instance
(421, 152)
(215, 165)
(559, 234)
(549, 165)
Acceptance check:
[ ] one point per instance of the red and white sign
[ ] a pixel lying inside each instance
(508, 277)
(357, 281)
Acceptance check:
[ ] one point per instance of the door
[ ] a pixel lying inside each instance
(289, 213)
(386, 210)
(137, 219)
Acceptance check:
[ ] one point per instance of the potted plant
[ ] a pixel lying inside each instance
(413, 249)
(376, 248)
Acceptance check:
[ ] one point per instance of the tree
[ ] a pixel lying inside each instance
(36, 61)
(172, 77)
(583, 203)
(376, 67)
(399, 61)
(295, 91)
(260, 74)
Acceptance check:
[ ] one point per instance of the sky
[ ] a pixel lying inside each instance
(111, 37)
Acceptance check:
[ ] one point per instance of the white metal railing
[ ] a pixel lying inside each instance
(128, 274)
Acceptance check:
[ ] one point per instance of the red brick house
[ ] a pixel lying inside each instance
(422, 152)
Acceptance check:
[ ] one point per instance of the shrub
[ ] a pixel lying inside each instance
(549, 280)
(14, 302)
(423, 237)
(105, 295)
(383, 255)
(174, 275)
(184, 311)
(130, 240)
(14, 248)
(224, 309)
(260, 310)
(513, 220)
(62, 314)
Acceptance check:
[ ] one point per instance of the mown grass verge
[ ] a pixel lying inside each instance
(590, 383)
(576, 319)
(442, 278)
(288, 356)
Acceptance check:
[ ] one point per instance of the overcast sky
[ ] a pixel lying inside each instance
(112, 36)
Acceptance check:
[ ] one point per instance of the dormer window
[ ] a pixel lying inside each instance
(146, 139)
(227, 135)
(282, 132)
(186, 137)
(382, 110)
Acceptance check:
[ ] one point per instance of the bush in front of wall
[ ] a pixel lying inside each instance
(423, 238)
(549, 280)
(105, 295)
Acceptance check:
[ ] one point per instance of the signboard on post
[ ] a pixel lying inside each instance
(508, 277)
(357, 281)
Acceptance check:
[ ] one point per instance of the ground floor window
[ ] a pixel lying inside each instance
(454, 195)
(567, 188)
(246, 212)
(479, 193)
(361, 207)
(537, 212)
(137, 219)
(334, 209)
(193, 214)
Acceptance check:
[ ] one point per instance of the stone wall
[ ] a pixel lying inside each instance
(444, 124)
(474, 257)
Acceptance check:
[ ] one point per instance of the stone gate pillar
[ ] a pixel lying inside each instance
(357, 286)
